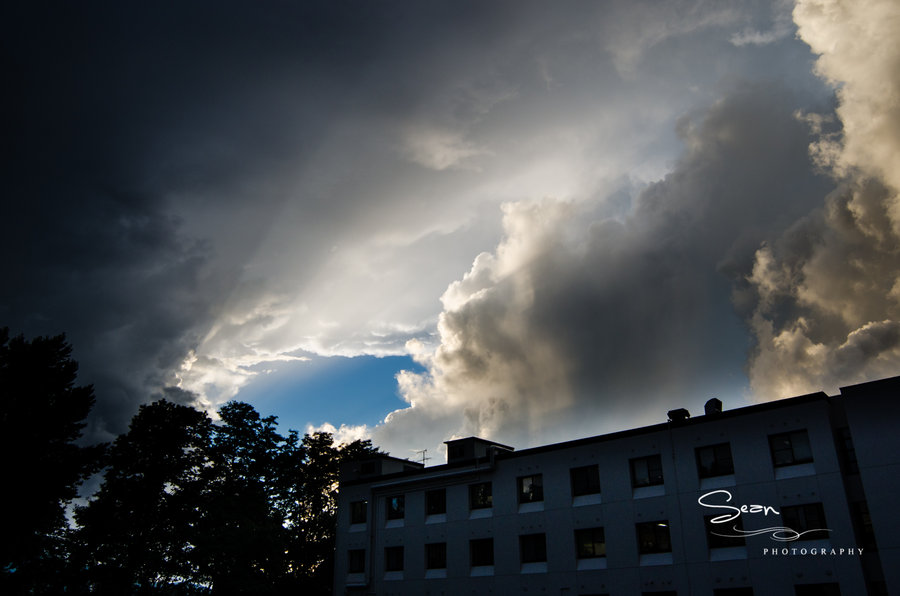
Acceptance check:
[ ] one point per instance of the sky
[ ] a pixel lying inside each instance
(417, 221)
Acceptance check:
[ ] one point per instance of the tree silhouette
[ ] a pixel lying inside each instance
(41, 417)
(188, 506)
(139, 532)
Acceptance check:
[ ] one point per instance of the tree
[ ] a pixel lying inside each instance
(311, 517)
(138, 534)
(242, 545)
(41, 418)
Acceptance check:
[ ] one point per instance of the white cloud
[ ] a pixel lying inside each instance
(827, 310)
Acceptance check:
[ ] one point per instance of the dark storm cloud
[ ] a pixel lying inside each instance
(195, 189)
(149, 147)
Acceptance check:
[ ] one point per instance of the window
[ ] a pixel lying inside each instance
(585, 480)
(790, 448)
(480, 496)
(436, 502)
(590, 543)
(436, 555)
(653, 537)
(847, 450)
(481, 552)
(393, 558)
(715, 537)
(804, 518)
(358, 512)
(745, 591)
(714, 460)
(396, 507)
(646, 471)
(356, 560)
(533, 548)
(531, 488)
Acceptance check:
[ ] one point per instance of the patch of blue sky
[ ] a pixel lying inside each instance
(339, 390)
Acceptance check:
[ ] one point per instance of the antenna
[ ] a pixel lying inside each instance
(424, 454)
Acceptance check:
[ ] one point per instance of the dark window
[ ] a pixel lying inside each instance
(533, 548)
(393, 558)
(531, 488)
(865, 531)
(804, 518)
(396, 507)
(356, 560)
(436, 555)
(653, 537)
(358, 512)
(830, 589)
(714, 460)
(481, 552)
(660, 593)
(436, 502)
(746, 591)
(590, 543)
(480, 496)
(790, 448)
(585, 480)
(847, 450)
(368, 467)
(455, 452)
(719, 535)
(646, 471)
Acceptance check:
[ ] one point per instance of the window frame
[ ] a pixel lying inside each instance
(354, 557)
(585, 486)
(585, 536)
(804, 517)
(651, 462)
(478, 549)
(436, 555)
(535, 492)
(720, 466)
(792, 440)
(438, 507)
(533, 548)
(479, 498)
(359, 512)
(657, 529)
(394, 556)
(395, 507)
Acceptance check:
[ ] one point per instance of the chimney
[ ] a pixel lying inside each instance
(679, 415)
(713, 407)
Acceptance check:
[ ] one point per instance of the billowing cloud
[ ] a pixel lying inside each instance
(582, 321)
(825, 294)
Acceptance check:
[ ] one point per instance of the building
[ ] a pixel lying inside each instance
(651, 510)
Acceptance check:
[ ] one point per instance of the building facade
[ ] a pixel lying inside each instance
(790, 497)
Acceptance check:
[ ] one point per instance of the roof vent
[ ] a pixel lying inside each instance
(713, 407)
(679, 415)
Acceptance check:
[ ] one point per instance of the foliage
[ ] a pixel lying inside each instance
(42, 415)
(189, 506)
(186, 506)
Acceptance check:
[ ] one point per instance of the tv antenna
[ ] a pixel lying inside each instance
(423, 453)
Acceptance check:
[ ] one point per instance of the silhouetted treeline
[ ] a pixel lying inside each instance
(186, 506)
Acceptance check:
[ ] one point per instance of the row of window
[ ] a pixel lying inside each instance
(652, 538)
(789, 448)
